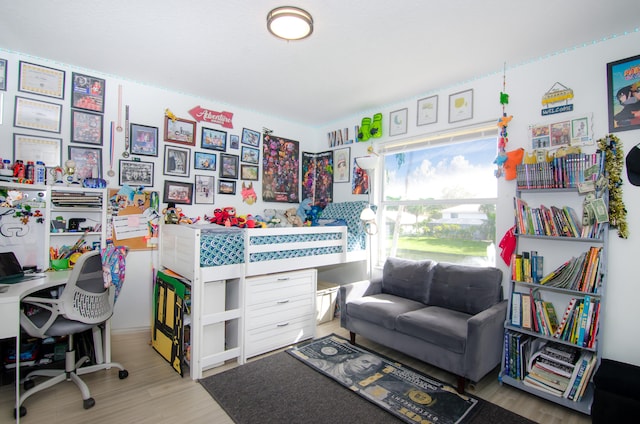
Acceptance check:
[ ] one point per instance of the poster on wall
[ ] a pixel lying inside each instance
(317, 177)
(623, 90)
(280, 170)
(360, 179)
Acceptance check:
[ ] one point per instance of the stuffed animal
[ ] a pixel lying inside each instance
(293, 218)
(304, 208)
(172, 215)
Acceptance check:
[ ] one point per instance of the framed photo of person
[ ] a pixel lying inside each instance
(213, 139)
(206, 161)
(204, 189)
(144, 140)
(229, 166)
(88, 161)
(178, 192)
(341, 161)
(86, 127)
(87, 92)
(176, 161)
(136, 173)
(250, 137)
(181, 131)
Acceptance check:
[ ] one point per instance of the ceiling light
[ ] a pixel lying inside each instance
(290, 23)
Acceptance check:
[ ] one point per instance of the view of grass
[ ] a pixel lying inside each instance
(445, 246)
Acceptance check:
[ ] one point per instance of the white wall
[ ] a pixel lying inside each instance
(583, 70)
(147, 106)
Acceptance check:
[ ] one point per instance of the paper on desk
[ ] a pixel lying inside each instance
(130, 226)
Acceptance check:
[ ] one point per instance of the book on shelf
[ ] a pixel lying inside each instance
(532, 381)
(550, 317)
(565, 317)
(526, 311)
(516, 309)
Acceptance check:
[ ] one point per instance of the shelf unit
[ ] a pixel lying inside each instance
(556, 250)
(31, 241)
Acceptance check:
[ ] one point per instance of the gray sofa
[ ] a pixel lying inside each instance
(447, 315)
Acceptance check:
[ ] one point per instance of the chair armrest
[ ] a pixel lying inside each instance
(49, 304)
(356, 290)
(485, 336)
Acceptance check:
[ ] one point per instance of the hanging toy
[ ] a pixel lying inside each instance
(503, 122)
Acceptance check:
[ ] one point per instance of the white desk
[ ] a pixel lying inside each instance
(10, 297)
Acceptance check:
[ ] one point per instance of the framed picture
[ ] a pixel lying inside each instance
(88, 161)
(42, 80)
(136, 173)
(87, 92)
(176, 161)
(341, 161)
(36, 148)
(226, 187)
(228, 166)
(37, 115)
(204, 189)
(623, 94)
(461, 106)
(180, 131)
(250, 137)
(206, 161)
(213, 139)
(3, 74)
(398, 122)
(249, 172)
(144, 140)
(234, 141)
(427, 111)
(86, 127)
(250, 154)
(178, 192)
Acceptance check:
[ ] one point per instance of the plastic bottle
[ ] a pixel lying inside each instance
(7, 169)
(18, 169)
(40, 173)
(30, 171)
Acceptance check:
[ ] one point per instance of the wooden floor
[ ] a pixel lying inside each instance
(154, 393)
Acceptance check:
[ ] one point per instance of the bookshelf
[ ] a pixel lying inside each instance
(557, 285)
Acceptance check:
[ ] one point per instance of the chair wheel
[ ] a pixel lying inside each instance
(122, 374)
(28, 384)
(88, 403)
(23, 412)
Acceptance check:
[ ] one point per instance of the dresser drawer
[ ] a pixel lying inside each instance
(273, 336)
(279, 287)
(277, 311)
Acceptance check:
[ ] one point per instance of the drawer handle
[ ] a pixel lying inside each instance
(282, 301)
(282, 325)
(283, 279)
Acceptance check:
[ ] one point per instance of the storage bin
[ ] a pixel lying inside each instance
(326, 301)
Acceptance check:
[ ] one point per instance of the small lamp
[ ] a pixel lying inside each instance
(290, 23)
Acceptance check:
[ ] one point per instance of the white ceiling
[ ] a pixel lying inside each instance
(363, 54)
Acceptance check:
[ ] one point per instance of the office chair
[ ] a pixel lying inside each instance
(84, 304)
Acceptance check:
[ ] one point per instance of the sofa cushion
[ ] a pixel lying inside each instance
(381, 309)
(439, 326)
(408, 278)
(465, 288)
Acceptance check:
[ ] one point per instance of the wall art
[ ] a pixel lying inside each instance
(206, 161)
(176, 161)
(88, 161)
(398, 122)
(37, 115)
(623, 94)
(87, 92)
(136, 173)
(427, 111)
(144, 140)
(42, 80)
(86, 127)
(461, 106)
(178, 192)
(205, 188)
(213, 139)
(36, 148)
(180, 131)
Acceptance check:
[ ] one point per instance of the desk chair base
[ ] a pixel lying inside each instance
(71, 372)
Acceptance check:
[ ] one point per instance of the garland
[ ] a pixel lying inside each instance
(613, 162)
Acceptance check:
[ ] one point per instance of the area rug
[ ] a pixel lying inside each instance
(281, 388)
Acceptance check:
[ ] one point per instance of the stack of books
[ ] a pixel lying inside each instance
(560, 370)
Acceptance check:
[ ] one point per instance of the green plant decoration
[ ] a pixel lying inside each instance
(613, 162)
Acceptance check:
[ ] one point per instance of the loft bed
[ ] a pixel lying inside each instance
(211, 252)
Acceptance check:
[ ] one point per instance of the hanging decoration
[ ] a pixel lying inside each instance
(503, 122)
(611, 146)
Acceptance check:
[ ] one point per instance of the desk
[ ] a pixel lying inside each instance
(10, 297)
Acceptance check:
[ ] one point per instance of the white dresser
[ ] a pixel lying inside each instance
(279, 310)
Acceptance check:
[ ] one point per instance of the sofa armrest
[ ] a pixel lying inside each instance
(356, 290)
(485, 340)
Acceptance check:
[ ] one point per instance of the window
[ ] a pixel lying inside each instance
(439, 202)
